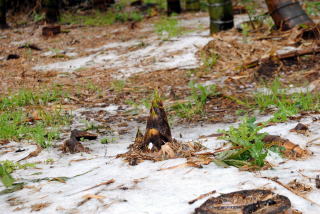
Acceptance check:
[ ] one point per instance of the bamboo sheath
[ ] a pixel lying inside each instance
(287, 13)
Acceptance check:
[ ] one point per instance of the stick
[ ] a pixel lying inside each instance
(202, 196)
(95, 186)
(287, 55)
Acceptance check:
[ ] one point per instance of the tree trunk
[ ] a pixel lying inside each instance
(173, 6)
(287, 13)
(51, 8)
(3, 10)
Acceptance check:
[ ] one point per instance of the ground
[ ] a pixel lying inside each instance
(109, 74)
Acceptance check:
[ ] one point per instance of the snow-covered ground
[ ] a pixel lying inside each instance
(147, 189)
(149, 54)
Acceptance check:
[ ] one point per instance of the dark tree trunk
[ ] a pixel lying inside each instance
(173, 6)
(51, 8)
(3, 10)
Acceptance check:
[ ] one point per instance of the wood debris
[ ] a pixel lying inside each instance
(301, 129)
(39, 206)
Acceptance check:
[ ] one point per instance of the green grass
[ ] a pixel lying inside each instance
(101, 18)
(195, 102)
(27, 97)
(168, 27)
(16, 120)
(284, 104)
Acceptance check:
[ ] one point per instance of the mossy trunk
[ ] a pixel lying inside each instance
(192, 5)
(173, 6)
(221, 15)
(51, 8)
(287, 13)
(3, 10)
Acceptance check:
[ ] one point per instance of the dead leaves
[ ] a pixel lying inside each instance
(292, 151)
(39, 206)
(33, 154)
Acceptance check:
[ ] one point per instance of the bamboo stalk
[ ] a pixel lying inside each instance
(173, 6)
(3, 10)
(221, 15)
(287, 13)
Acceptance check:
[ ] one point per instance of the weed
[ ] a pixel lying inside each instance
(246, 138)
(196, 101)
(89, 125)
(38, 17)
(49, 161)
(92, 87)
(7, 167)
(312, 8)
(12, 166)
(118, 85)
(108, 140)
(168, 27)
(5, 176)
(209, 60)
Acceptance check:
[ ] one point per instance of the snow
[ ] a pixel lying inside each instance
(150, 54)
(147, 189)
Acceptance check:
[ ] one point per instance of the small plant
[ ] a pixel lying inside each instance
(209, 60)
(7, 167)
(108, 140)
(196, 101)
(118, 85)
(167, 28)
(5, 176)
(250, 149)
(38, 17)
(12, 166)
